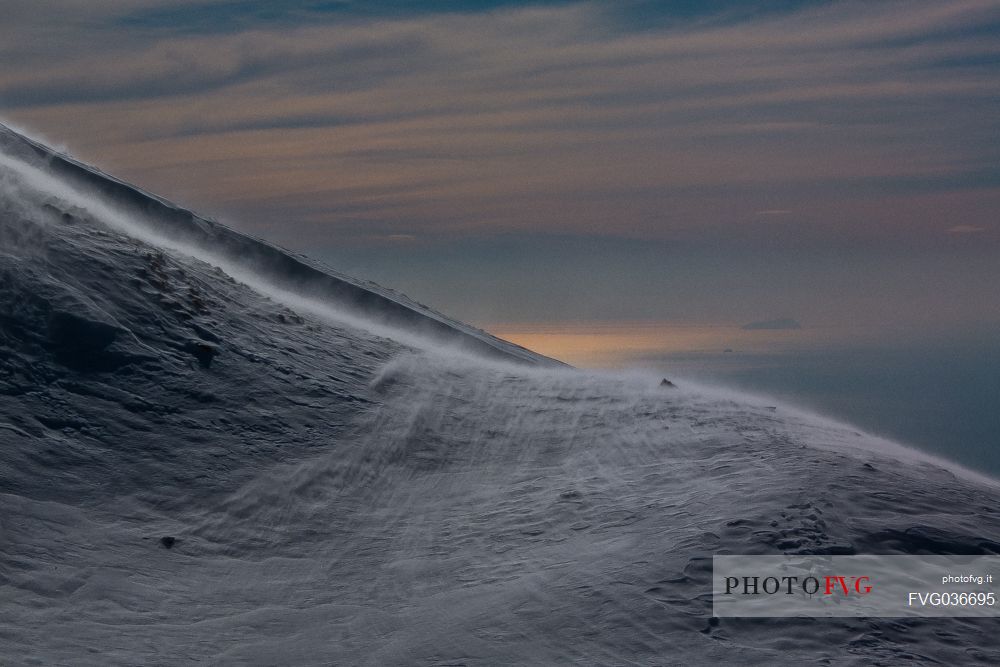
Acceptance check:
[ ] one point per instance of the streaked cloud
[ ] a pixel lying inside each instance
(966, 229)
(854, 127)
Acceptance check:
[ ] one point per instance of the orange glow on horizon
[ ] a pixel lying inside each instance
(604, 345)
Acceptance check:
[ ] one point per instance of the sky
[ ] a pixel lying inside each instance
(560, 162)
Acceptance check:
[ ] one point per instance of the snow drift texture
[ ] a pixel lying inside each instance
(215, 452)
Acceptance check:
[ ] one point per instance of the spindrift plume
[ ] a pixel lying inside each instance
(215, 451)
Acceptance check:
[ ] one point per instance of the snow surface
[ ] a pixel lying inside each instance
(350, 478)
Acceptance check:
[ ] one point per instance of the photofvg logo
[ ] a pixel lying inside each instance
(891, 586)
(789, 585)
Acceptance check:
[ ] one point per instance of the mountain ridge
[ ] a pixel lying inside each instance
(284, 268)
(197, 467)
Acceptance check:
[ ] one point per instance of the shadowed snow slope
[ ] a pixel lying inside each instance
(349, 478)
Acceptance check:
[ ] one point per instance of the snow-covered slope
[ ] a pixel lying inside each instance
(292, 467)
(165, 224)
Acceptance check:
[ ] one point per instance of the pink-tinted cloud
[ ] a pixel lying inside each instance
(966, 229)
(552, 119)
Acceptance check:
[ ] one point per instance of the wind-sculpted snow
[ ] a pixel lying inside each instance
(336, 496)
(255, 262)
